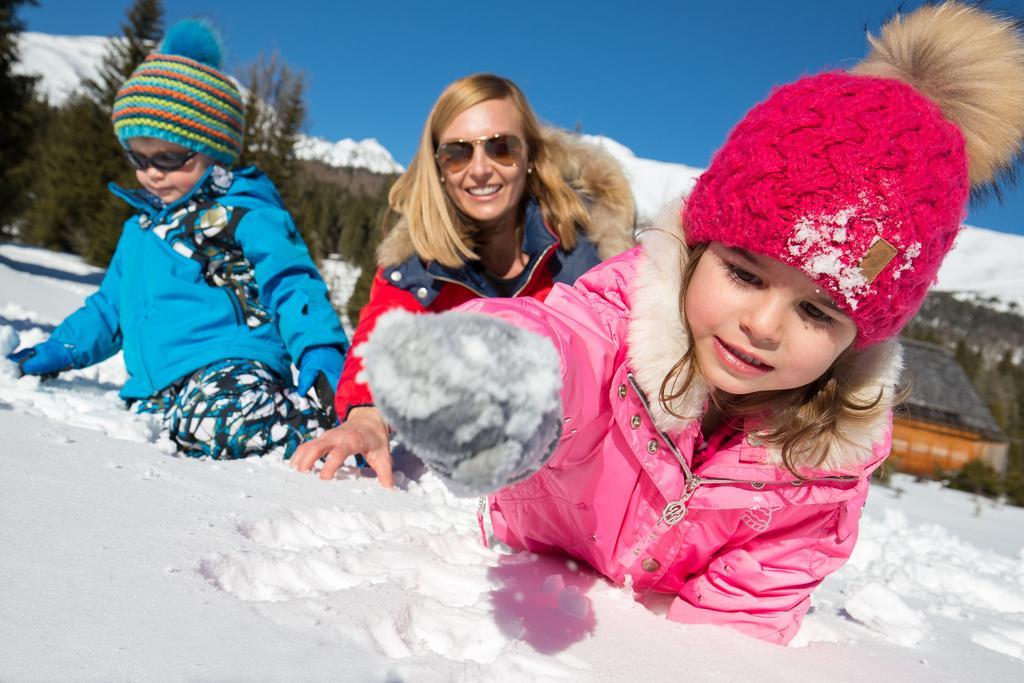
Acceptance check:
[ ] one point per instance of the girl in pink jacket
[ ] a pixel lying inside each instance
(702, 414)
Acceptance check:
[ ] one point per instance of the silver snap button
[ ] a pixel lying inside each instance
(635, 422)
(396, 276)
(622, 391)
(422, 292)
(650, 565)
(753, 439)
(652, 446)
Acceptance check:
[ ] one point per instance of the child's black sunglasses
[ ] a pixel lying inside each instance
(161, 161)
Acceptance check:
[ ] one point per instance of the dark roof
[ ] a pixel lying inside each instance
(941, 392)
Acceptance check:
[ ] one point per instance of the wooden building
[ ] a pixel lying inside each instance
(944, 423)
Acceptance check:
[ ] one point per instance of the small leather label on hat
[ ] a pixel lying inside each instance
(877, 257)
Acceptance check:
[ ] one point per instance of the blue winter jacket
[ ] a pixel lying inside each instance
(161, 305)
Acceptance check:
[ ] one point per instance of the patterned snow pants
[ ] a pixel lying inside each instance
(233, 409)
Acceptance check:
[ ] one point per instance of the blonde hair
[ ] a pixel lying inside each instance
(437, 230)
(805, 423)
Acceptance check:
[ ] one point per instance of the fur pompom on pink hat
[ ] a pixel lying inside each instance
(861, 179)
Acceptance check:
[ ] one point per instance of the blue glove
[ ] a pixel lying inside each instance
(47, 359)
(320, 359)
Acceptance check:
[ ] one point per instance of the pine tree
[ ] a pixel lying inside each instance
(20, 115)
(969, 359)
(275, 111)
(71, 159)
(362, 233)
(139, 35)
(79, 154)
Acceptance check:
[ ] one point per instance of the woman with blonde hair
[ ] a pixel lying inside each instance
(492, 205)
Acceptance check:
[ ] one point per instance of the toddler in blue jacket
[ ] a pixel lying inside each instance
(211, 292)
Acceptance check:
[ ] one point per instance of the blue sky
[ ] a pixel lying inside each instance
(666, 79)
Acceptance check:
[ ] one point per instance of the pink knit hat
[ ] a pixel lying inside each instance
(861, 181)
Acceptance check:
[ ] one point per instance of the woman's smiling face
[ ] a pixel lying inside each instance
(761, 325)
(485, 191)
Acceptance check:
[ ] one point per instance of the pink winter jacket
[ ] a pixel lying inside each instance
(733, 534)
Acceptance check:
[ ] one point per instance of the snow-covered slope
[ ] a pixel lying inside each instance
(654, 183)
(64, 62)
(119, 561)
(986, 264)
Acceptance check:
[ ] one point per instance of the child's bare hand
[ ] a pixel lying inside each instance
(363, 432)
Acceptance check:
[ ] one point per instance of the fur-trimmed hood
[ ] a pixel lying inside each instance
(658, 339)
(589, 170)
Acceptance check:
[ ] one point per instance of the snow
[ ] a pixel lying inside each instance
(368, 154)
(987, 264)
(121, 561)
(341, 277)
(654, 183)
(64, 62)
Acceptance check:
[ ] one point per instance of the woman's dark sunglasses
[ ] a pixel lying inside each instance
(455, 155)
(161, 161)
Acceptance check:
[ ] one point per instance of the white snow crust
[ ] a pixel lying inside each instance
(121, 561)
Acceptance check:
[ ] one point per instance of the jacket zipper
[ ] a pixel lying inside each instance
(675, 510)
(236, 305)
(442, 278)
(537, 264)
(526, 283)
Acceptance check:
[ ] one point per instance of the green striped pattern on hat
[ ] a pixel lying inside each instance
(176, 98)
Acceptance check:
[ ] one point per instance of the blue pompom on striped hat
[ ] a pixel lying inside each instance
(180, 95)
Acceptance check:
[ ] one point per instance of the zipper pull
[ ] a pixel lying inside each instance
(675, 511)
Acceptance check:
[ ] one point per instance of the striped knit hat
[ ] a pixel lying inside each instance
(180, 95)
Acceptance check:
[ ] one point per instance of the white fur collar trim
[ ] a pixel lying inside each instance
(657, 336)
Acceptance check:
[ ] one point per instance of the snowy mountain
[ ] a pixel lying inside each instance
(122, 562)
(984, 264)
(64, 62)
(654, 182)
(347, 153)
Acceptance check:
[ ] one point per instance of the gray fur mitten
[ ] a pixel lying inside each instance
(476, 398)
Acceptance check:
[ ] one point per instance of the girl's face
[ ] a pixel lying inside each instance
(169, 186)
(487, 190)
(761, 325)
